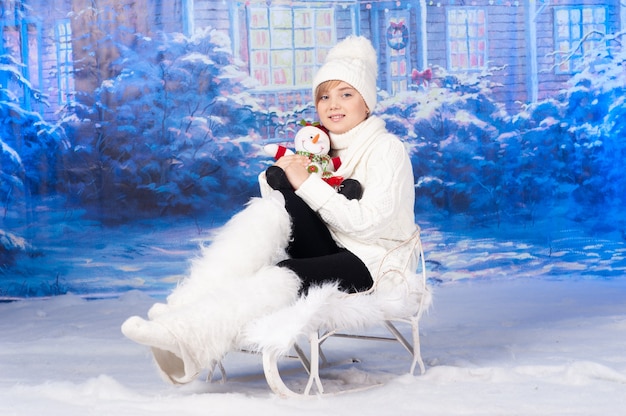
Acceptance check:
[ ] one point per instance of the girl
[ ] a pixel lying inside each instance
(301, 233)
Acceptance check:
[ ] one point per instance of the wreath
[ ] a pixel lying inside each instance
(397, 35)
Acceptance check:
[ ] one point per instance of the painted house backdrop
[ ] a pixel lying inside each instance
(130, 129)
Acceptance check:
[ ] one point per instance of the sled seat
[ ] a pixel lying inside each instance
(399, 295)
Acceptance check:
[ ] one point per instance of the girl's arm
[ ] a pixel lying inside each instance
(388, 192)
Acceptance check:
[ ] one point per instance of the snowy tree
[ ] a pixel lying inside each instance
(172, 133)
(562, 156)
(29, 150)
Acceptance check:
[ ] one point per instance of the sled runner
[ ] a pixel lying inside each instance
(399, 295)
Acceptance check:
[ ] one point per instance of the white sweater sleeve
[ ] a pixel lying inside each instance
(264, 187)
(387, 179)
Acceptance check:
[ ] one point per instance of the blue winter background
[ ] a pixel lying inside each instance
(128, 133)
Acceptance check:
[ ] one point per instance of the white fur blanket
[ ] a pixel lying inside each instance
(325, 308)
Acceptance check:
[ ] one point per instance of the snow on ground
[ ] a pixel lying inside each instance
(492, 347)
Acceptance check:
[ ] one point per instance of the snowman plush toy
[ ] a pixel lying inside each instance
(313, 141)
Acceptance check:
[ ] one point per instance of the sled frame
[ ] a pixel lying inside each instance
(317, 359)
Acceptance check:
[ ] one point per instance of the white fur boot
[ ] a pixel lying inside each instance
(255, 237)
(191, 337)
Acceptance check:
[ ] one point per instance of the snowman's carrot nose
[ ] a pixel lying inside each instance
(316, 138)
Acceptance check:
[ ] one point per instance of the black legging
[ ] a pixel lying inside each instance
(314, 255)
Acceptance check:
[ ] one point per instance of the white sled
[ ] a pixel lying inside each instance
(398, 296)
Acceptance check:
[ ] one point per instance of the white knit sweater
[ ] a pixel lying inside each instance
(384, 216)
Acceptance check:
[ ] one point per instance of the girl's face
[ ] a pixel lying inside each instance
(340, 107)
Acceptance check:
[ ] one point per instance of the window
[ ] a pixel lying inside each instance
(21, 42)
(467, 39)
(578, 30)
(397, 51)
(288, 54)
(65, 66)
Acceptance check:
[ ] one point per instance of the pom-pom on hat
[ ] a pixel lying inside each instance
(353, 60)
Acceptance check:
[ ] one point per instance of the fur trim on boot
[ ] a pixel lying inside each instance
(191, 337)
(253, 238)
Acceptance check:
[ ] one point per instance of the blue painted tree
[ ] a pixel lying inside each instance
(561, 157)
(29, 150)
(171, 133)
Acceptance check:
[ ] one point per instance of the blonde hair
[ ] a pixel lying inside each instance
(324, 87)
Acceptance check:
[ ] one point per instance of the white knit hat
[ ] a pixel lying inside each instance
(353, 60)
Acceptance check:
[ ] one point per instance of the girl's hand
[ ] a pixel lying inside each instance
(295, 167)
